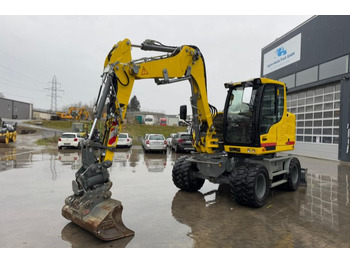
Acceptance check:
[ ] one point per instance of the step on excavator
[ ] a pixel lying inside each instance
(237, 147)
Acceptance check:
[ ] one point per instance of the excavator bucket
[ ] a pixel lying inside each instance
(104, 220)
(97, 213)
(91, 206)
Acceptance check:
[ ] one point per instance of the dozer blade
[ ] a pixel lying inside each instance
(97, 213)
(303, 177)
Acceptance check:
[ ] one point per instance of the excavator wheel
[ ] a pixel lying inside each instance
(97, 213)
(4, 139)
(13, 137)
(249, 185)
(183, 176)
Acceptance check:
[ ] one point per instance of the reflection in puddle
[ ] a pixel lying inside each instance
(70, 158)
(321, 201)
(155, 162)
(78, 237)
(8, 160)
(314, 216)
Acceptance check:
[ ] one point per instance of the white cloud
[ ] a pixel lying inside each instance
(73, 48)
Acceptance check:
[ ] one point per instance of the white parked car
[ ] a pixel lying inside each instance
(124, 140)
(70, 140)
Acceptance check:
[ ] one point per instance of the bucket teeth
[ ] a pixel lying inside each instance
(97, 213)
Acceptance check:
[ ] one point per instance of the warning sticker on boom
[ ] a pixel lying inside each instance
(144, 71)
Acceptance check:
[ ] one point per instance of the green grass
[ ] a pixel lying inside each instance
(137, 131)
(47, 141)
(61, 125)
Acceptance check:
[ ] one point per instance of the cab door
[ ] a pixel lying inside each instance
(271, 112)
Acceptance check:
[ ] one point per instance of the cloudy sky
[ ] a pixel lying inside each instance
(34, 49)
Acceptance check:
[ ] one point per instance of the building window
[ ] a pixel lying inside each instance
(307, 76)
(288, 80)
(334, 67)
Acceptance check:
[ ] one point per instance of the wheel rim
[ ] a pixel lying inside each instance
(294, 175)
(260, 185)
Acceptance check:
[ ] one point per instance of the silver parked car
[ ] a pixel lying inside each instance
(154, 142)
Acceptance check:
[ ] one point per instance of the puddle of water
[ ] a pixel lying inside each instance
(35, 184)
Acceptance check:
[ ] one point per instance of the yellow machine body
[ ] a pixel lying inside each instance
(213, 133)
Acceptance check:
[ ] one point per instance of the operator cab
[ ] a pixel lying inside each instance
(253, 113)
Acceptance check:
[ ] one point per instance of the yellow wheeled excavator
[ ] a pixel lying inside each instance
(237, 147)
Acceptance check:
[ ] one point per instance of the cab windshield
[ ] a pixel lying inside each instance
(239, 117)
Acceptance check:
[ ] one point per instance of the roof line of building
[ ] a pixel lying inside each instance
(289, 32)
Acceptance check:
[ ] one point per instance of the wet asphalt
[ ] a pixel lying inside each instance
(35, 181)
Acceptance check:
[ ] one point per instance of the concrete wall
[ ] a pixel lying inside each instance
(5, 108)
(172, 121)
(41, 115)
(325, 151)
(15, 109)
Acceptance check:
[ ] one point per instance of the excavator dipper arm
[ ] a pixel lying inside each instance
(91, 206)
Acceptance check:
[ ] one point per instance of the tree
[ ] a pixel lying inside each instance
(2, 95)
(134, 104)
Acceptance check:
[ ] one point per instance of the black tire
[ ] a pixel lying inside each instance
(293, 175)
(59, 148)
(250, 185)
(183, 177)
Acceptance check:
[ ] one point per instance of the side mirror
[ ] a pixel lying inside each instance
(247, 95)
(183, 112)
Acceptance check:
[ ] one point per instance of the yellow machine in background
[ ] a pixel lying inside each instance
(74, 113)
(237, 147)
(64, 115)
(8, 132)
(82, 114)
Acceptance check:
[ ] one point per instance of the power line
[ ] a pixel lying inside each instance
(21, 74)
(17, 85)
(54, 89)
(23, 61)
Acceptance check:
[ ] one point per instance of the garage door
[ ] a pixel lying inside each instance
(317, 113)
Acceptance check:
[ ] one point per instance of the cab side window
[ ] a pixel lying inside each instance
(272, 107)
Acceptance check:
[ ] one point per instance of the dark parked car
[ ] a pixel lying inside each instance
(182, 142)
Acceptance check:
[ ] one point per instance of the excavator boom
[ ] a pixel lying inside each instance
(91, 205)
